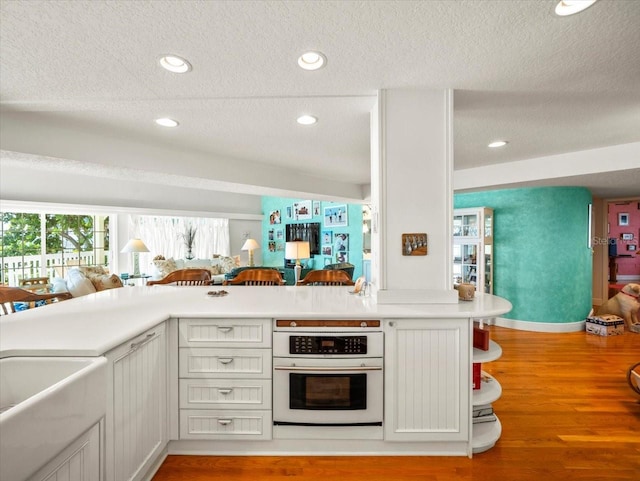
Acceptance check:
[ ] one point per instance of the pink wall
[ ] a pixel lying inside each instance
(627, 266)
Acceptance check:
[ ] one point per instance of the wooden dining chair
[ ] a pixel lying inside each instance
(10, 295)
(256, 277)
(326, 277)
(185, 277)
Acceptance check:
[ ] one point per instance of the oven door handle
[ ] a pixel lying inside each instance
(327, 369)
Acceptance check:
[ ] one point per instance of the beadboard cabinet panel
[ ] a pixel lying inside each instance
(136, 427)
(426, 380)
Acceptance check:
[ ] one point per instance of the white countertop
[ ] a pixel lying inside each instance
(94, 324)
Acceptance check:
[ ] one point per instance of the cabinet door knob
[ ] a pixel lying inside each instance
(225, 391)
(225, 360)
(225, 329)
(225, 422)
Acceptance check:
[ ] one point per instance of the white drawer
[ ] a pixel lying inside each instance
(225, 333)
(225, 394)
(225, 363)
(212, 424)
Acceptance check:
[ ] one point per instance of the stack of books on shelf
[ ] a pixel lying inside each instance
(483, 414)
(480, 341)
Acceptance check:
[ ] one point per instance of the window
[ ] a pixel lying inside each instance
(69, 240)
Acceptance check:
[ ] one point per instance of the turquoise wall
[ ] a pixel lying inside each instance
(280, 204)
(542, 263)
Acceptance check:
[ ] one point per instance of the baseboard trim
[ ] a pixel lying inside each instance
(540, 326)
(626, 279)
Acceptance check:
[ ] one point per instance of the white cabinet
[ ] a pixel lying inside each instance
(473, 248)
(427, 372)
(485, 434)
(136, 421)
(225, 379)
(80, 461)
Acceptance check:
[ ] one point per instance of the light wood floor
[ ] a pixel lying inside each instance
(567, 414)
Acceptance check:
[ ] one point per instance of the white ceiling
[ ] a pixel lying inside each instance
(549, 85)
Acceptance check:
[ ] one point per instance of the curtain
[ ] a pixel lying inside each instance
(164, 236)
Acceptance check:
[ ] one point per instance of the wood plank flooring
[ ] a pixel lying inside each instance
(567, 414)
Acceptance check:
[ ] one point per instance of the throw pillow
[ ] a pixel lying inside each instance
(226, 264)
(165, 267)
(92, 271)
(59, 284)
(216, 270)
(79, 284)
(106, 282)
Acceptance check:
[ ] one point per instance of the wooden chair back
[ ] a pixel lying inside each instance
(35, 284)
(257, 277)
(185, 277)
(9, 295)
(326, 277)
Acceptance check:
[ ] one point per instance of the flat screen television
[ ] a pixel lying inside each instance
(305, 231)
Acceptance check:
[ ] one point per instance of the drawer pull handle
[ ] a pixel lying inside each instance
(137, 345)
(225, 391)
(225, 329)
(225, 422)
(225, 360)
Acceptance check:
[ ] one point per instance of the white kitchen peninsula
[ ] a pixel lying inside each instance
(437, 392)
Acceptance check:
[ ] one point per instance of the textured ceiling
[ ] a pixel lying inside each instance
(549, 85)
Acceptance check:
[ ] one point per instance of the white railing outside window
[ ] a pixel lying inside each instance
(17, 268)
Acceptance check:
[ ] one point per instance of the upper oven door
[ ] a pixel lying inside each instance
(327, 391)
(328, 344)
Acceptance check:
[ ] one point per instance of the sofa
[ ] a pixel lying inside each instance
(218, 266)
(83, 280)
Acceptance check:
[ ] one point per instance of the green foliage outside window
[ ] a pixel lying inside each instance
(68, 235)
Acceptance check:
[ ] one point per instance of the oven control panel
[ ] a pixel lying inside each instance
(327, 344)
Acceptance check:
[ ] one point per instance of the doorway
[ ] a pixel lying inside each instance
(616, 245)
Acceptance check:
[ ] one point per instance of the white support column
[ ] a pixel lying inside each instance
(411, 191)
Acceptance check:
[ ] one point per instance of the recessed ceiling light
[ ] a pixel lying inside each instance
(312, 60)
(498, 143)
(167, 122)
(571, 7)
(307, 120)
(174, 64)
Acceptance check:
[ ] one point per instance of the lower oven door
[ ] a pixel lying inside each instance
(327, 392)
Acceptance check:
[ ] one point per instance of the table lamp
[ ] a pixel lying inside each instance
(250, 245)
(297, 250)
(135, 246)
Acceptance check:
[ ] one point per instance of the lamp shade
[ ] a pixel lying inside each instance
(135, 245)
(297, 250)
(249, 245)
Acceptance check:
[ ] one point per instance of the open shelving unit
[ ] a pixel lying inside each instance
(485, 435)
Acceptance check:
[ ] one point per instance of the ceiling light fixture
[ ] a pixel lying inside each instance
(498, 143)
(571, 7)
(167, 122)
(307, 120)
(312, 60)
(174, 64)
